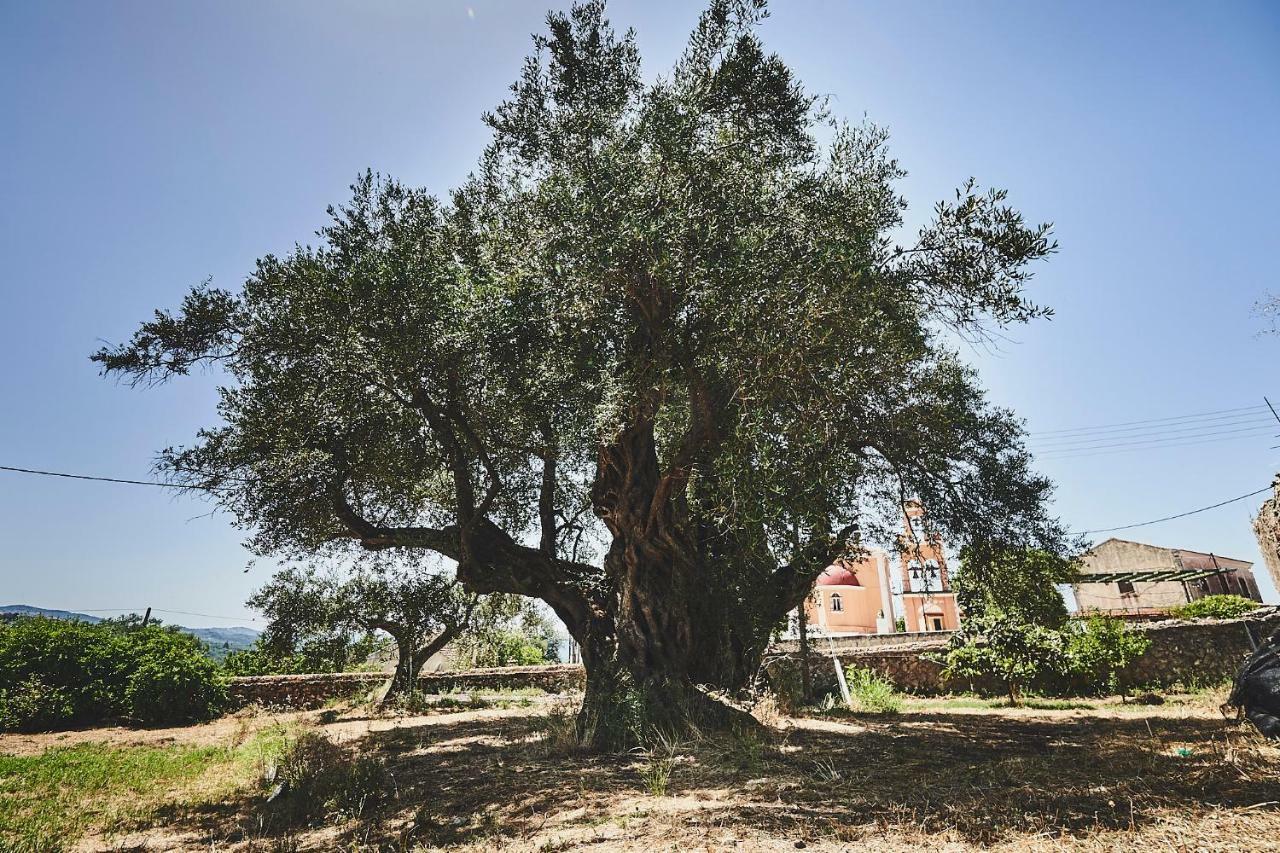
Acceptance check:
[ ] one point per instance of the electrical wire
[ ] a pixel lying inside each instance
(1200, 415)
(1172, 517)
(1172, 432)
(105, 479)
(1155, 443)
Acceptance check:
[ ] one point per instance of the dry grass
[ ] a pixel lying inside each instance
(936, 777)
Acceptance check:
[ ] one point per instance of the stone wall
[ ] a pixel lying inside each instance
(822, 644)
(312, 691)
(1200, 651)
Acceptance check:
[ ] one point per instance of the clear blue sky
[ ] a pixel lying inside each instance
(147, 146)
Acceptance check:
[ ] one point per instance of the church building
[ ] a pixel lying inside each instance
(861, 596)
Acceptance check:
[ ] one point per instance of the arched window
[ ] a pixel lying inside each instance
(836, 606)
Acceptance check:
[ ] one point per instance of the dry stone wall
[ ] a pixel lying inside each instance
(1187, 652)
(1202, 651)
(313, 691)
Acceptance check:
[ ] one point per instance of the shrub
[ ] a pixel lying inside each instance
(272, 655)
(173, 688)
(32, 705)
(68, 673)
(1006, 648)
(504, 647)
(1217, 607)
(871, 692)
(1099, 649)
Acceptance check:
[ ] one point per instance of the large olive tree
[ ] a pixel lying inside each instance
(658, 361)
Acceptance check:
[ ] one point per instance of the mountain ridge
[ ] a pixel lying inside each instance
(219, 641)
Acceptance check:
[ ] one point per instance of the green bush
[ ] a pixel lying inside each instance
(282, 656)
(1006, 648)
(1217, 607)
(32, 705)
(173, 688)
(504, 648)
(65, 673)
(1097, 651)
(870, 692)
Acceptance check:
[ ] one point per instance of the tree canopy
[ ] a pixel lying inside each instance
(1021, 583)
(422, 612)
(662, 356)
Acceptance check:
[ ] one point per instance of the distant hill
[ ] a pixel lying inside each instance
(28, 610)
(219, 641)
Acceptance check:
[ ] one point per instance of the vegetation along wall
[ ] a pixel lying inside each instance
(312, 691)
(1203, 651)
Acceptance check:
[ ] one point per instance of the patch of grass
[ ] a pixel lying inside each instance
(559, 730)
(977, 703)
(661, 754)
(746, 749)
(825, 770)
(316, 778)
(1058, 705)
(871, 693)
(506, 693)
(50, 800)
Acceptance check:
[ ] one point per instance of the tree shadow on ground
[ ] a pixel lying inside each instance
(981, 778)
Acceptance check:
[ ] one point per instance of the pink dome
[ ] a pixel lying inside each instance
(838, 575)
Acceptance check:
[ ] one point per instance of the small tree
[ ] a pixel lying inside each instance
(1012, 616)
(1008, 648)
(510, 631)
(1100, 648)
(421, 611)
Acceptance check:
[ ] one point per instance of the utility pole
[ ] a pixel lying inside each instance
(802, 619)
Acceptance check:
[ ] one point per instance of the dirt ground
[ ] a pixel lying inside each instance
(939, 776)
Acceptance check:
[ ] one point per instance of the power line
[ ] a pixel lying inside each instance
(1145, 432)
(208, 615)
(1171, 441)
(1200, 415)
(1172, 517)
(106, 479)
(159, 610)
(1088, 454)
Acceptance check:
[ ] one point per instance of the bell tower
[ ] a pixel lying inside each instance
(928, 602)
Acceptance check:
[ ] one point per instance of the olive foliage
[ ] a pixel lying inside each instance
(666, 353)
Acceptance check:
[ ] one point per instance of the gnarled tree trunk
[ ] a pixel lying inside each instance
(660, 655)
(410, 658)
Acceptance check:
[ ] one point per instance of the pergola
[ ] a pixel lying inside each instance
(1149, 575)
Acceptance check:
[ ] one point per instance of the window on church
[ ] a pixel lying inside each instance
(836, 606)
(937, 624)
(1126, 587)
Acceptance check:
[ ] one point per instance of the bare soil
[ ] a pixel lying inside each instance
(939, 776)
